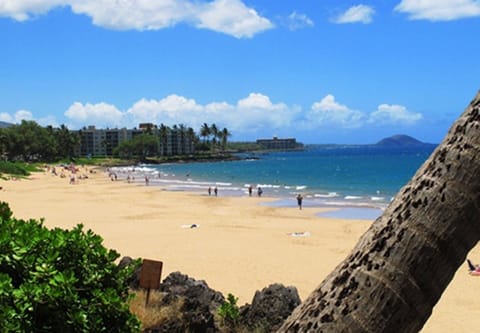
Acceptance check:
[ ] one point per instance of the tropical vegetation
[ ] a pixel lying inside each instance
(60, 280)
(30, 142)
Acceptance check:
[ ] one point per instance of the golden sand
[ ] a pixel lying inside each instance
(238, 246)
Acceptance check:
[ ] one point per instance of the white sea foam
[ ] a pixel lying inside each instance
(328, 195)
(353, 197)
(223, 184)
(268, 186)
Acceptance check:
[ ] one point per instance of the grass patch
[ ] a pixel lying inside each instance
(153, 315)
(17, 168)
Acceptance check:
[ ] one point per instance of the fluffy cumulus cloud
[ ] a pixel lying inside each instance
(23, 10)
(257, 111)
(231, 17)
(251, 113)
(356, 14)
(17, 117)
(100, 114)
(394, 114)
(170, 110)
(439, 10)
(329, 112)
(296, 21)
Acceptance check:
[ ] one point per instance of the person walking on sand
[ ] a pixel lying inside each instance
(250, 190)
(215, 190)
(299, 200)
(209, 191)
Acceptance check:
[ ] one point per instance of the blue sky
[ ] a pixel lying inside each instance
(321, 71)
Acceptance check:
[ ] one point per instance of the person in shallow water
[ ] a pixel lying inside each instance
(259, 191)
(299, 200)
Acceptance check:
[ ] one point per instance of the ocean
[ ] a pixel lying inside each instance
(350, 177)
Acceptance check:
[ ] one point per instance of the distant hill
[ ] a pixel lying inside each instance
(401, 141)
(4, 124)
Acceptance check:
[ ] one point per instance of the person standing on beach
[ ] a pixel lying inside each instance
(299, 200)
(209, 191)
(250, 190)
(215, 190)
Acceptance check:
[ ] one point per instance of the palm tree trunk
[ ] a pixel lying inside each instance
(400, 267)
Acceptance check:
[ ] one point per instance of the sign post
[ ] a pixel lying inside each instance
(150, 276)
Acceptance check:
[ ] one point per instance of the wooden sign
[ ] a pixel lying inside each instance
(150, 274)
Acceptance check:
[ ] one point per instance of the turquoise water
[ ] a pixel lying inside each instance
(361, 176)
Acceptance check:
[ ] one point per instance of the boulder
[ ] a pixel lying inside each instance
(178, 284)
(199, 303)
(270, 307)
(134, 280)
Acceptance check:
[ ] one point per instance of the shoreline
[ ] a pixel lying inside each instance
(282, 196)
(240, 245)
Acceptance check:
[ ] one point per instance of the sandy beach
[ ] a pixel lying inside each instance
(239, 246)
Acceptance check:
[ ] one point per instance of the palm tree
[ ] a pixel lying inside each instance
(205, 132)
(214, 132)
(224, 135)
(402, 264)
(183, 135)
(191, 139)
(163, 136)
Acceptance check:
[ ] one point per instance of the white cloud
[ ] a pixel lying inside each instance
(22, 10)
(48, 121)
(17, 117)
(297, 21)
(356, 14)
(6, 117)
(101, 114)
(252, 113)
(22, 115)
(170, 110)
(257, 111)
(231, 17)
(329, 112)
(130, 14)
(394, 114)
(439, 10)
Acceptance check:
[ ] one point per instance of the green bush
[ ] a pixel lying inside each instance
(229, 311)
(59, 280)
(13, 168)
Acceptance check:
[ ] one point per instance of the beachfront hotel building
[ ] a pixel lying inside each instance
(279, 144)
(102, 142)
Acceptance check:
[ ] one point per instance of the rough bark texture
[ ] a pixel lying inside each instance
(403, 263)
